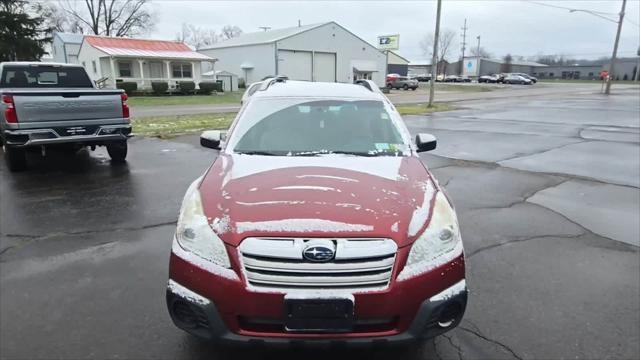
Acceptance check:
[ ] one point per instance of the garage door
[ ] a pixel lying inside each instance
(324, 67)
(295, 64)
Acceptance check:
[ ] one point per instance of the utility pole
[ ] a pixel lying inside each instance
(612, 74)
(434, 58)
(478, 58)
(638, 66)
(464, 45)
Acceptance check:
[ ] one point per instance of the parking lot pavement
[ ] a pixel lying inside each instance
(405, 97)
(547, 199)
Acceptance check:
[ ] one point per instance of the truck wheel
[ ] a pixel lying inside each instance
(15, 158)
(117, 151)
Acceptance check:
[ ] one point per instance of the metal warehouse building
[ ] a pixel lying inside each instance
(396, 64)
(319, 52)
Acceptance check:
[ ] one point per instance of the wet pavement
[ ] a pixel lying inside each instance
(547, 196)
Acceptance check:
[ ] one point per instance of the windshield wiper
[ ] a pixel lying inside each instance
(257, 152)
(356, 153)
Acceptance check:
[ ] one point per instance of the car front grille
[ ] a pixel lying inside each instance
(278, 264)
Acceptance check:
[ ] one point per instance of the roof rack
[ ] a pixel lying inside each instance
(369, 85)
(270, 81)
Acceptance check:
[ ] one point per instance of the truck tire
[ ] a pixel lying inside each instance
(117, 151)
(15, 158)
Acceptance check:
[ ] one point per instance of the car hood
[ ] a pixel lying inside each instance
(321, 196)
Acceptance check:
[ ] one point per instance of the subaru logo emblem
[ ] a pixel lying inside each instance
(319, 252)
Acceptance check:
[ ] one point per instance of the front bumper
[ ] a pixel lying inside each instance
(36, 137)
(215, 307)
(205, 321)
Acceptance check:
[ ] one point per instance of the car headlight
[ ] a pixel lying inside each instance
(438, 244)
(194, 233)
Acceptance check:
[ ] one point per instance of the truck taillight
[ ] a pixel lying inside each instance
(10, 114)
(125, 107)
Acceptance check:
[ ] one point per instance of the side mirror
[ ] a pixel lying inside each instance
(425, 142)
(211, 139)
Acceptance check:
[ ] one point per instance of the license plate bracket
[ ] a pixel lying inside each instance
(319, 315)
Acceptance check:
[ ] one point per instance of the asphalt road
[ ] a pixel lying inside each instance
(421, 95)
(547, 195)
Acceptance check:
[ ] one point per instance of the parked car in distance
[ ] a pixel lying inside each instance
(527, 76)
(265, 250)
(516, 79)
(402, 82)
(500, 77)
(453, 78)
(488, 79)
(465, 78)
(440, 78)
(46, 105)
(423, 77)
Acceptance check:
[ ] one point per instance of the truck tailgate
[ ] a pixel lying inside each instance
(42, 106)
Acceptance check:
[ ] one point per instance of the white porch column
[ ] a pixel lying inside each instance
(167, 65)
(113, 72)
(193, 71)
(140, 62)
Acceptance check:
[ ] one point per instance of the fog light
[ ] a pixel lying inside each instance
(449, 315)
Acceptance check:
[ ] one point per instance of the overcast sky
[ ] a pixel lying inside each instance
(519, 27)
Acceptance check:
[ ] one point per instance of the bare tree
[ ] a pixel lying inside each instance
(506, 63)
(110, 17)
(57, 19)
(230, 31)
(445, 45)
(196, 36)
(482, 52)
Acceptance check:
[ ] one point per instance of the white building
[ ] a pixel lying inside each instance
(65, 47)
(110, 60)
(318, 52)
(229, 80)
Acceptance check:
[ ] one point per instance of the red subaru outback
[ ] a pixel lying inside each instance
(317, 223)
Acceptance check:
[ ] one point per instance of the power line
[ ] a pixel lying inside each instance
(566, 8)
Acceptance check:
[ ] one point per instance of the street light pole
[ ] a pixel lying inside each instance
(612, 75)
(434, 58)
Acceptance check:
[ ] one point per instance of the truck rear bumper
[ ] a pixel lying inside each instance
(37, 137)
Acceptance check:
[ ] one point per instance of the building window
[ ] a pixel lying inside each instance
(125, 69)
(590, 74)
(95, 68)
(181, 70)
(551, 74)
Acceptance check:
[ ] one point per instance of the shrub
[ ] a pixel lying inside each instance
(127, 86)
(207, 88)
(159, 87)
(187, 87)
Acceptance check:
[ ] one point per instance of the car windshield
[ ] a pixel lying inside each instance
(299, 127)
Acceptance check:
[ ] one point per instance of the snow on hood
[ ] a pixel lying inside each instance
(337, 195)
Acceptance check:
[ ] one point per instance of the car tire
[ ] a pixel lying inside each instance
(16, 158)
(405, 87)
(389, 86)
(413, 88)
(117, 151)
